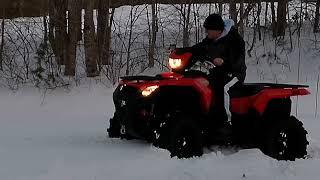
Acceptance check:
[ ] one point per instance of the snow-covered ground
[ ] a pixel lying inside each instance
(62, 135)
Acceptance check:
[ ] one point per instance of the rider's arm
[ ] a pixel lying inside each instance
(200, 48)
(200, 51)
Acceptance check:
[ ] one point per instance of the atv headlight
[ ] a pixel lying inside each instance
(149, 90)
(175, 63)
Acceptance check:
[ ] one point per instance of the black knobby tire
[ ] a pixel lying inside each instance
(285, 140)
(114, 126)
(185, 139)
(161, 133)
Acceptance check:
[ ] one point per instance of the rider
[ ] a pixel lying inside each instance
(226, 50)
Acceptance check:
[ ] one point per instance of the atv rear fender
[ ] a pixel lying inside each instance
(263, 98)
(260, 101)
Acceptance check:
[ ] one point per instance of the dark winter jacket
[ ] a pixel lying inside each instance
(230, 47)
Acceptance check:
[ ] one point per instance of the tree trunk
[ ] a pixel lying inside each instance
(2, 42)
(109, 34)
(90, 44)
(153, 38)
(245, 14)
(79, 16)
(233, 11)
(59, 20)
(273, 19)
(197, 23)
(266, 15)
(281, 18)
(186, 22)
(290, 32)
(220, 9)
(129, 43)
(52, 23)
(258, 20)
(102, 31)
(45, 34)
(241, 24)
(317, 17)
(73, 30)
(108, 38)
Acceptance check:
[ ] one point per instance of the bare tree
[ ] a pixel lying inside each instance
(45, 31)
(254, 34)
(220, 8)
(197, 24)
(79, 18)
(258, 19)
(90, 41)
(246, 13)
(152, 35)
(273, 18)
(73, 30)
(2, 42)
(233, 11)
(185, 11)
(266, 14)
(132, 21)
(289, 27)
(102, 32)
(109, 32)
(111, 71)
(241, 24)
(317, 17)
(52, 23)
(281, 18)
(58, 22)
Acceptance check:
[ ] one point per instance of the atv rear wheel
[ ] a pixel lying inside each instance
(186, 139)
(285, 140)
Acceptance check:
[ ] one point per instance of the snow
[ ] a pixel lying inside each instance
(61, 135)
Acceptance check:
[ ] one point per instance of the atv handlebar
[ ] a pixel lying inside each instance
(182, 59)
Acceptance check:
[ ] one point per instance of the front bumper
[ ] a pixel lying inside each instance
(135, 112)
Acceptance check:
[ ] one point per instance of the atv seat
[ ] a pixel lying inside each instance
(245, 90)
(250, 89)
(141, 78)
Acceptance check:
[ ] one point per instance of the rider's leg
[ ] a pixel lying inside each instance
(217, 111)
(221, 108)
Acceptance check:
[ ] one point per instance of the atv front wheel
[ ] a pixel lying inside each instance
(285, 140)
(114, 126)
(186, 139)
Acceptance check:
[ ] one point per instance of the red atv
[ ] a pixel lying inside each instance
(171, 111)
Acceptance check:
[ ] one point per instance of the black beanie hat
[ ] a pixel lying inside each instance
(214, 22)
